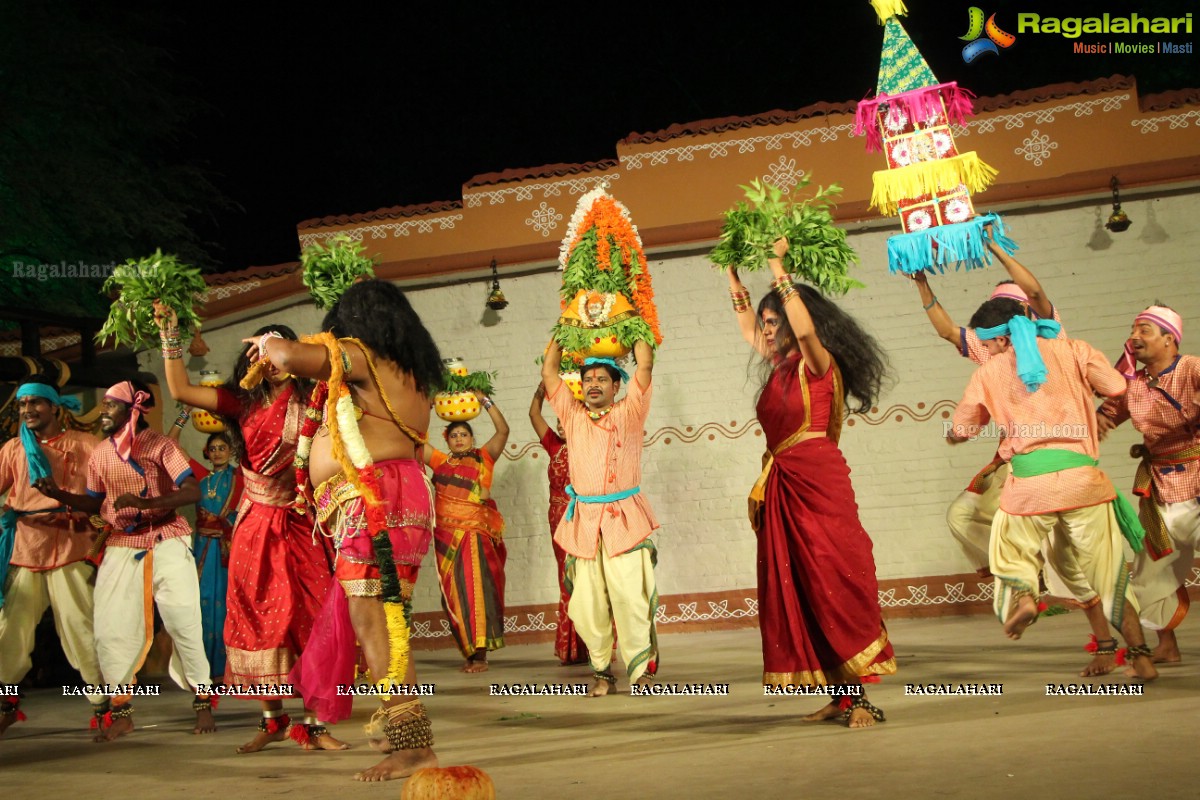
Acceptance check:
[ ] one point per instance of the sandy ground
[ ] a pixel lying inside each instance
(744, 745)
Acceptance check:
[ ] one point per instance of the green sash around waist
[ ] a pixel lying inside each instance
(1048, 460)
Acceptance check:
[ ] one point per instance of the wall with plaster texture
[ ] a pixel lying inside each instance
(703, 448)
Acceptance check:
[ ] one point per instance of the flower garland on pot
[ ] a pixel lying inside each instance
(606, 290)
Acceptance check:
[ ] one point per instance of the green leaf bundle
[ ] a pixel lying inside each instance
(471, 382)
(332, 268)
(142, 281)
(573, 339)
(818, 251)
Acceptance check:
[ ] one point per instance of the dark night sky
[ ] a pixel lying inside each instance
(349, 109)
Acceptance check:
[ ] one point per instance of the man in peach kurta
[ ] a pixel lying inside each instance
(606, 529)
(1163, 402)
(1038, 391)
(47, 566)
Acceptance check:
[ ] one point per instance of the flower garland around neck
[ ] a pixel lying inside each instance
(599, 414)
(331, 401)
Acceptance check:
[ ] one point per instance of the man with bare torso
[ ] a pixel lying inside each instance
(377, 364)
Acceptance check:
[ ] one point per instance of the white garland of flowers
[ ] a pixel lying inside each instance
(352, 438)
(581, 209)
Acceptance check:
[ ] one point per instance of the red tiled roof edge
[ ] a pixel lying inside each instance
(545, 171)
(392, 212)
(237, 276)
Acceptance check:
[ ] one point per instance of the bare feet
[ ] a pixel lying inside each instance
(6, 720)
(602, 685)
(262, 739)
(476, 663)
(1023, 615)
(1167, 651)
(120, 727)
(205, 722)
(831, 711)
(1101, 664)
(860, 718)
(1141, 668)
(325, 741)
(399, 764)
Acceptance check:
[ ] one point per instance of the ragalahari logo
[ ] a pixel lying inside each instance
(976, 27)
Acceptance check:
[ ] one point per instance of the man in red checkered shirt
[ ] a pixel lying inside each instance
(136, 479)
(1163, 401)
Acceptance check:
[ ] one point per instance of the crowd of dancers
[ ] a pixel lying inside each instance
(301, 568)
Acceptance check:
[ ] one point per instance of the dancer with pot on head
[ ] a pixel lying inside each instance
(278, 574)
(136, 479)
(607, 525)
(568, 644)
(469, 536)
(817, 591)
(361, 447)
(43, 544)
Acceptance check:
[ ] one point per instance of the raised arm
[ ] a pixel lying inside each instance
(540, 426)
(550, 366)
(494, 445)
(942, 323)
(178, 383)
(815, 355)
(644, 354)
(743, 308)
(180, 421)
(1038, 301)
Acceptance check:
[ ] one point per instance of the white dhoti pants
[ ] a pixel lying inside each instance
(1160, 585)
(615, 589)
(1089, 545)
(67, 590)
(125, 597)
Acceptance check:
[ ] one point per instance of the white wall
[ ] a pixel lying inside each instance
(904, 473)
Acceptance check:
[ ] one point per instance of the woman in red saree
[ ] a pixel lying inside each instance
(278, 574)
(469, 538)
(818, 596)
(568, 646)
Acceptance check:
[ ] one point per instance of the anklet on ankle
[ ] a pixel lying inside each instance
(123, 711)
(1139, 650)
(861, 702)
(1101, 647)
(605, 676)
(273, 721)
(408, 726)
(11, 707)
(307, 732)
(204, 703)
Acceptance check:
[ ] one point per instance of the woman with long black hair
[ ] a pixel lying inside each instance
(818, 595)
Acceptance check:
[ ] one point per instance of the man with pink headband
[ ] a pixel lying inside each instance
(969, 517)
(1163, 401)
(135, 481)
(43, 545)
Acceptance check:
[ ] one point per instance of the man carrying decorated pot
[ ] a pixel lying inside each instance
(606, 529)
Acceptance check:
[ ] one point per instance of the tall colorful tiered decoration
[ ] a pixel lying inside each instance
(607, 300)
(928, 183)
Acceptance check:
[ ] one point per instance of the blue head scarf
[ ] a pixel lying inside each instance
(587, 362)
(39, 467)
(1024, 333)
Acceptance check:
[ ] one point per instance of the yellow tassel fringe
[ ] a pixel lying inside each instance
(929, 178)
(886, 9)
(398, 644)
